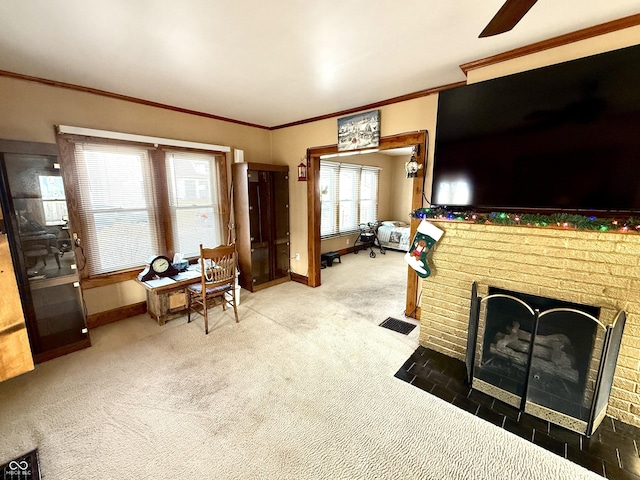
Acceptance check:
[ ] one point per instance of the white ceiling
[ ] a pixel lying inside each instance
(270, 63)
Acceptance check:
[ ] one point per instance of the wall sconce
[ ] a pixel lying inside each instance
(302, 171)
(412, 166)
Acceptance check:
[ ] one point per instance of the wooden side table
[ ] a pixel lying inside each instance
(166, 298)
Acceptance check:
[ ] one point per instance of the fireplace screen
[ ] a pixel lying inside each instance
(562, 360)
(508, 323)
(547, 357)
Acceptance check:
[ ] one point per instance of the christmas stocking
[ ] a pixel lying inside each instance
(425, 238)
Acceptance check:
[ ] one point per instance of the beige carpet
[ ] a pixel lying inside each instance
(301, 388)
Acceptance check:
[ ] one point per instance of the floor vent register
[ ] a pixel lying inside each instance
(399, 326)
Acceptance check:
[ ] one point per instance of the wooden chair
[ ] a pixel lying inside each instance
(217, 285)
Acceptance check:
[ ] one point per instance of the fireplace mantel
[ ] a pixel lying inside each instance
(588, 267)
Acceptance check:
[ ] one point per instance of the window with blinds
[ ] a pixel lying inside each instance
(194, 200)
(135, 201)
(117, 206)
(348, 197)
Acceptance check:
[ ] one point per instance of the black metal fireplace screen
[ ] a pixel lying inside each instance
(550, 358)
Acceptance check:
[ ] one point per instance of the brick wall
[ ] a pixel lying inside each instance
(588, 267)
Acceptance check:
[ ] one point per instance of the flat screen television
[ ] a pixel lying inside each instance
(563, 138)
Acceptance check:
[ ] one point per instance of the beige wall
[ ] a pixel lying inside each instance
(400, 201)
(30, 111)
(290, 144)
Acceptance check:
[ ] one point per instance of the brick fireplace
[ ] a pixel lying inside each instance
(586, 267)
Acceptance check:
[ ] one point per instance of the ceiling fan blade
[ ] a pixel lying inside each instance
(507, 17)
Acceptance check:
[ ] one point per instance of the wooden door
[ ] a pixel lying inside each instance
(15, 351)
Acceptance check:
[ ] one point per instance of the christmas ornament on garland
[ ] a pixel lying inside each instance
(557, 220)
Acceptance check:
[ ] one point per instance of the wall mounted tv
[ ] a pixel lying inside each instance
(563, 138)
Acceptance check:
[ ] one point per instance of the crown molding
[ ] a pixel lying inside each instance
(584, 34)
(126, 98)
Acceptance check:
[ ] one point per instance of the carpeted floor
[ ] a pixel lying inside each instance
(302, 388)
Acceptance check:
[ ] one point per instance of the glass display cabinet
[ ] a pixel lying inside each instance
(36, 222)
(261, 207)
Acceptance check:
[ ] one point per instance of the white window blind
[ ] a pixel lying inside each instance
(194, 201)
(348, 197)
(329, 181)
(116, 206)
(348, 188)
(369, 194)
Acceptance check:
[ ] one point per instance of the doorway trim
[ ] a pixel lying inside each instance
(420, 139)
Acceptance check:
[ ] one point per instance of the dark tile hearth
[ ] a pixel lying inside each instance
(611, 452)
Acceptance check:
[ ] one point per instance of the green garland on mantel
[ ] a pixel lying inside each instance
(557, 220)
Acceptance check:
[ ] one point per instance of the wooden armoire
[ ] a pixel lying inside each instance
(261, 211)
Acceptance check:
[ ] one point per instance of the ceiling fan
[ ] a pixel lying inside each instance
(507, 17)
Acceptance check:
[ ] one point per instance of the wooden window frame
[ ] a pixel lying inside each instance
(420, 139)
(157, 155)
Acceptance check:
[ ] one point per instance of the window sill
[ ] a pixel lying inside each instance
(109, 279)
(118, 277)
(341, 234)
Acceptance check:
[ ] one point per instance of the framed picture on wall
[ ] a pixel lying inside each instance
(359, 131)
